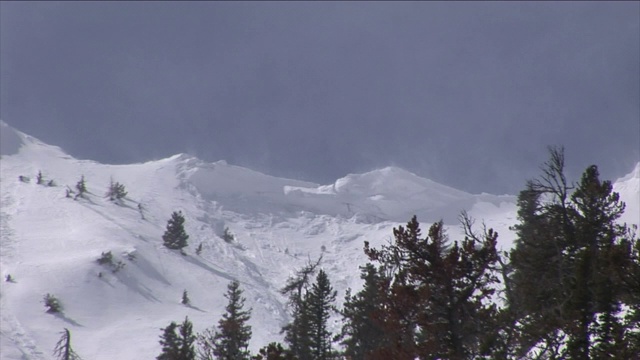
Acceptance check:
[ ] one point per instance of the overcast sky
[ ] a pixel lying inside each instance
(467, 94)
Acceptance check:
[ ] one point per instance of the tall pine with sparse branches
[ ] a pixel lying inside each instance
(63, 349)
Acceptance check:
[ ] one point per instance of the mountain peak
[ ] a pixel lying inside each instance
(634, 174)
(11, 140)
(392, 180)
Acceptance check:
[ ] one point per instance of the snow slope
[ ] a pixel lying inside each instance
(50, 243)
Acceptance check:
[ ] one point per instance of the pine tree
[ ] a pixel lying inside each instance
(186, 350)
(231, 341)
(175, 236)
(297, 333)
(227, 235)
(177, 346)
(363, 331)
(116, 191)
(630, 275)
(170, 343)
(440, 289)
(273, 351)
(199, 249)
(63, 350)
(319, 305)
(39, 178)
(185, 298)
(569, 266)
(81, 186)
(52, 304)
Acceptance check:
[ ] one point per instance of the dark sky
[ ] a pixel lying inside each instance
(467, 94)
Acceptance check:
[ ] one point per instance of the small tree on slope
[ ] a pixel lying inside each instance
(116, 191)
(81, 186)
(175, 236)
(63, 350)
(52, 304)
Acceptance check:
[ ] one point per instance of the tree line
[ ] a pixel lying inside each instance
(568, 289)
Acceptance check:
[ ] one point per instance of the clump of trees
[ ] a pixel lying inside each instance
(573, 269)
(311, 305)
(52, 304)
(116, 191)
(106, 258)
(40, 180)
(177, 342)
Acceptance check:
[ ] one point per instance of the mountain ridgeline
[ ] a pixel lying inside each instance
(182, 259)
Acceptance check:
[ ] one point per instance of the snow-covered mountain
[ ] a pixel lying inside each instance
(50, 243)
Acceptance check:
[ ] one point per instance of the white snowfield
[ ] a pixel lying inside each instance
(50, 243)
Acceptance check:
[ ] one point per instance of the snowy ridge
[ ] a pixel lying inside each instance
(50, 243)
(629, 189)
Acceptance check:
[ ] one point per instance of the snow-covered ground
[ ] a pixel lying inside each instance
(50, 243)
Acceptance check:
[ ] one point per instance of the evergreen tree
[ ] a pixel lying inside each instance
(273, 351)
(170, 343)
(186, 350)
(297, 333)
(227, 235)
(363, 332)
(141, 210)
(177, 346)
(199, 249)
(231, 341)
(52, 304)
(442, 290)
(39, 178)
(185, 298)
(630, 275)
(175, 236)
(81, 186)
(319, 304)
(63, 350)
(567, 266)
(116, 191)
